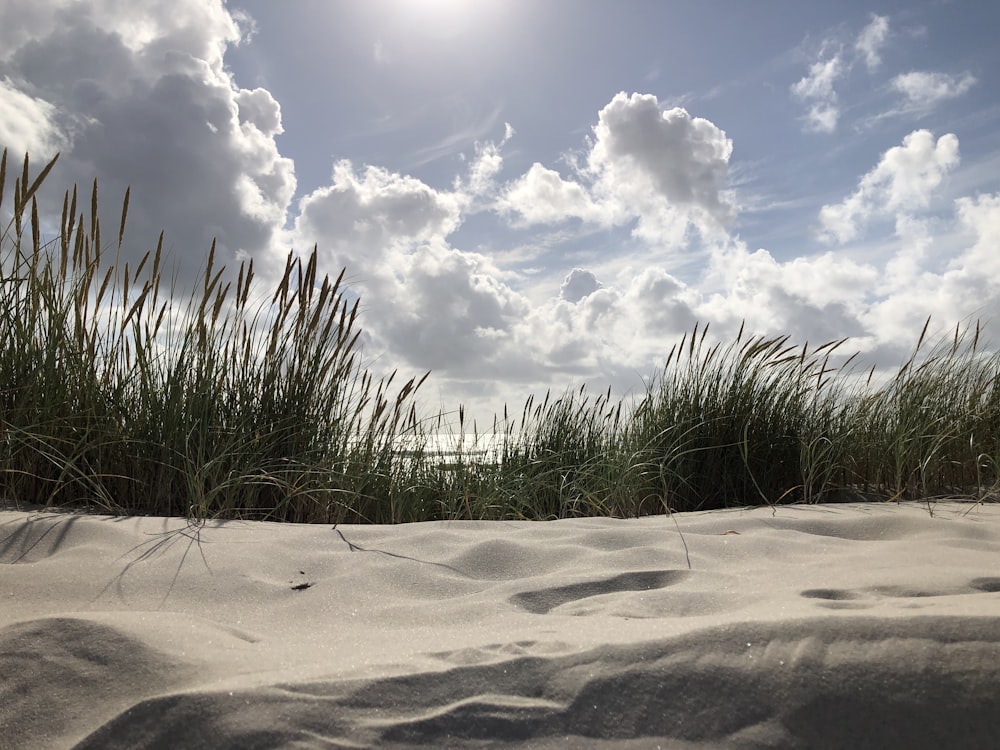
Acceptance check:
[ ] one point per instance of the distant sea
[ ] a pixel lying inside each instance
(448, 446)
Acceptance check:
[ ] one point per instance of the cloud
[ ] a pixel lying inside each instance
(967, 286)
(901, 184)
(27, 124)
(449, 311)
(666, 161)
(663, 169)
(427, 303)
(22, 21)
(906, 266)
(660, 303)
(819, 83)
(817, 90)
(618, 330)
(360, 217)
(484, 167)
(430, 304)
(542, 196)
(434, 305)
(808, 298)
(258, 108)
(593, 330)
(981, 215)
(871, 40)
(578, 284)
(138, 94)
(924, 90)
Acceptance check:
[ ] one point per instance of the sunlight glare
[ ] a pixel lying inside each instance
(444, 18)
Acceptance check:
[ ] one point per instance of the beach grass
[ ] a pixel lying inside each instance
(123, 393)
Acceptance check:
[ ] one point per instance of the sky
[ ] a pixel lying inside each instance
(536, 195)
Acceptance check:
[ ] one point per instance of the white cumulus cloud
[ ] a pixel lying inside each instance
(137, 93)
(902, 183)
(258, 108)
(359, 217)
(27, 124)
(429, 304)
(542, 196)
(663, 169)
(579, 283)
(664, 158)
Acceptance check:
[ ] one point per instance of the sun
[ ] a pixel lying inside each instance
(448, 20)
(439, 6)
(441, 19)
(437, 9)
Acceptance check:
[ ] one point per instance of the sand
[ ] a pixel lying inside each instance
(848, 625)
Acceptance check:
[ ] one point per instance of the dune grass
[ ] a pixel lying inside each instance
(122, 393)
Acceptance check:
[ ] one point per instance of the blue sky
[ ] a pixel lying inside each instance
(532, 195)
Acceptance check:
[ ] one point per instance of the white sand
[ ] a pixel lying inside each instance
(812, 626)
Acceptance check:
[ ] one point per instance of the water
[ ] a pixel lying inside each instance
(449, 448)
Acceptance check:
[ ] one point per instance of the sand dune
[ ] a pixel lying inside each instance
(853, 625)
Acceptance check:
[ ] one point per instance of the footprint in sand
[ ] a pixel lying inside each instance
(543, 601)
(866, 598)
